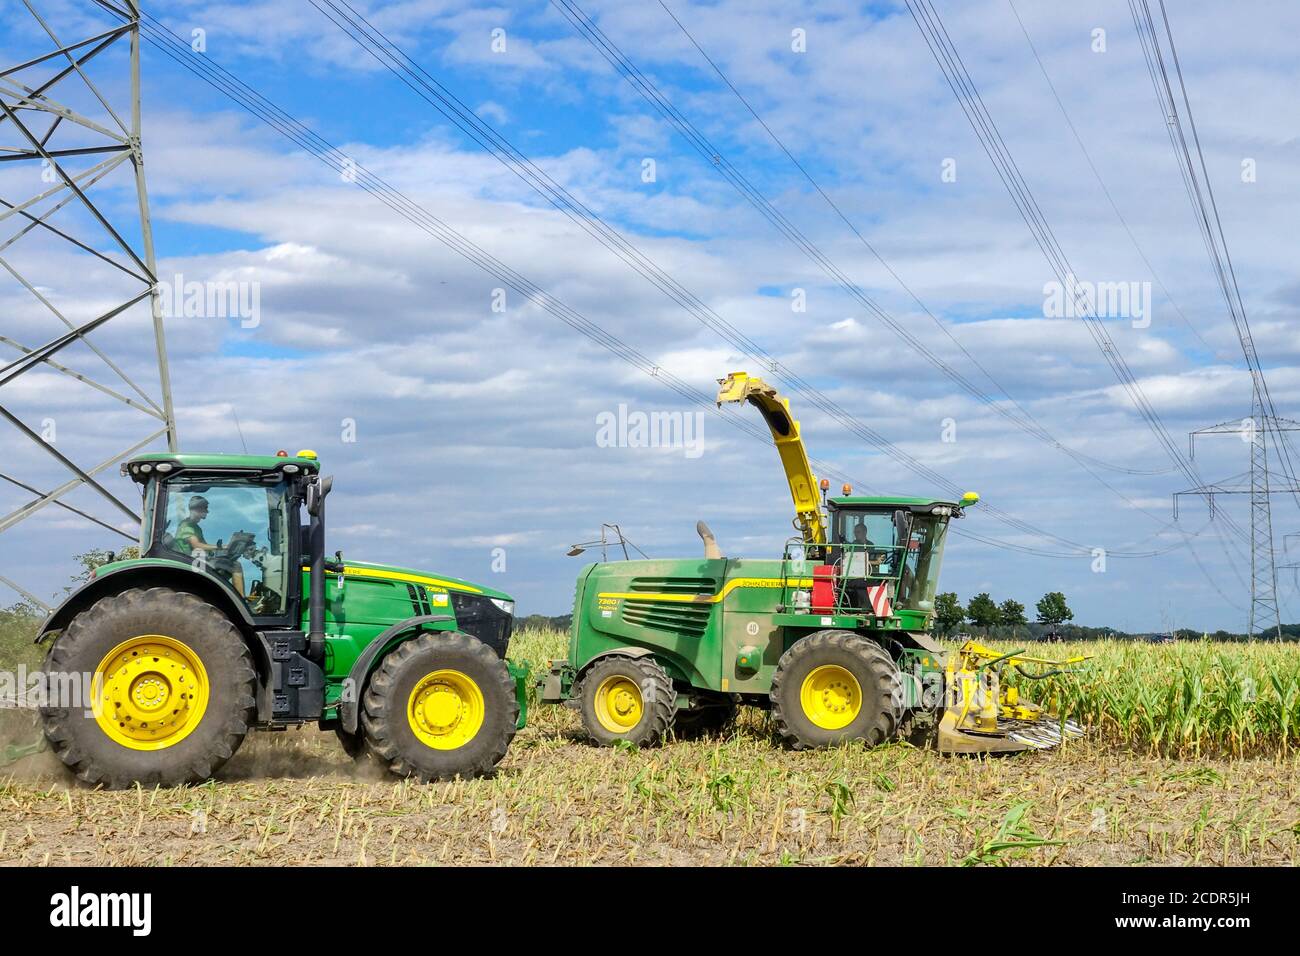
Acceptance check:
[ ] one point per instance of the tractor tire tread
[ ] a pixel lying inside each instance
(92, 760)
(381, 712)
(883, 722)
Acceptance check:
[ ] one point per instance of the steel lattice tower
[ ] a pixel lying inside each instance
(1260, 484)
(1264, 614)
(72, 153)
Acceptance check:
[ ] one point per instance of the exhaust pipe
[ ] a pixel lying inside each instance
(711, 549)
(316, 494)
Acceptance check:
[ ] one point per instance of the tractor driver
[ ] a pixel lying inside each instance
(863, 561)
(870, 557)
(190, 538)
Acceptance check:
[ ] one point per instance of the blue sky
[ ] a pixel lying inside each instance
(476, 429)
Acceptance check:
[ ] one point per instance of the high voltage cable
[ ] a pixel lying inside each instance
(968, 97)
(415, 77)
(258, 106)
(1083, 149)
(981, 121)
(646, 87)
(689, 131)
(1206, 213)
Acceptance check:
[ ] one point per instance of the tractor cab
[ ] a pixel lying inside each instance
(236, 517)
(883, 555)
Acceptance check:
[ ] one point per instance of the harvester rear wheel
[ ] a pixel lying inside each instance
(835, 686)
(174, 695)
(439, 706)
(627, 698)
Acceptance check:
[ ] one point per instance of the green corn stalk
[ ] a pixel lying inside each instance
(1014, 837)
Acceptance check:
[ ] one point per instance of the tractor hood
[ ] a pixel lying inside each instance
(392, 572)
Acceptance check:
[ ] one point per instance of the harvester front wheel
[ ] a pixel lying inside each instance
(439, 706)
(835, 686)
(627, 698)
(172, 687)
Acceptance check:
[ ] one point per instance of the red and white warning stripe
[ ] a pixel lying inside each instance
(879, 596)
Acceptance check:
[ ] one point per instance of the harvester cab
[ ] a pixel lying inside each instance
(833, 638)
(232, 617)
(882, 558)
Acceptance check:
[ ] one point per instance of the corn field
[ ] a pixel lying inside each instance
(1120, 797)
(1185, 700)
(1189, 699)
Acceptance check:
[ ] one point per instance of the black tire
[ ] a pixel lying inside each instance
(708, 720)
(388, 725)
(82, 744)
(877, 678)
(655, 695)
(354, 745)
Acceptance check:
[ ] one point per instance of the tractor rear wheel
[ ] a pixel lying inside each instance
(439, 706)
(173, 687)
(835, 686)
(627, 698)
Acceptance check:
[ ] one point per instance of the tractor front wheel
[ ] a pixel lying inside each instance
(354, 744)
(835, 686)
(439, 706)
(627, 698)
(171, 687)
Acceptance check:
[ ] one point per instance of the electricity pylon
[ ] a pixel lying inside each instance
(1260, 483)
(61, 135)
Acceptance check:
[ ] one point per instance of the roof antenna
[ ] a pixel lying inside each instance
(235, 415)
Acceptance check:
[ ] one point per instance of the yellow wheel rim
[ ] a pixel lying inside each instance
(618, 704)
(446, 709)
(153, 694)
(831, 697)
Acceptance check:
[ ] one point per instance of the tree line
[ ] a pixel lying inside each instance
(984, 613)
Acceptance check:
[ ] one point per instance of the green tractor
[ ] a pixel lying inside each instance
(833, 637)
(233, 618)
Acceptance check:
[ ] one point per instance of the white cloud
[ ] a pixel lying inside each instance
(475, 429)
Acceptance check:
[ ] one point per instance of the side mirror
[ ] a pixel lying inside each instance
(902, 526)
(316, 494)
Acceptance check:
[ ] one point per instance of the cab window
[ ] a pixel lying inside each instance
(870, 548)
(237, 530)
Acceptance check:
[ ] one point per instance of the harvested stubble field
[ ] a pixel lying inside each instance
(1166, 778)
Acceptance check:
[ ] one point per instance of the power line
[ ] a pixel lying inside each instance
(260, 107)
(1264, 418)
(982, 123)
(1083, 149)
(646, 87)
(716, 159)
(424, 85)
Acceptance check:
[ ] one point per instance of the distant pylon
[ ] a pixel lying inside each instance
(70, 149)
(1259, 483)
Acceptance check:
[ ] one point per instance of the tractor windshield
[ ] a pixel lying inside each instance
(920, 578)
(235, 528)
